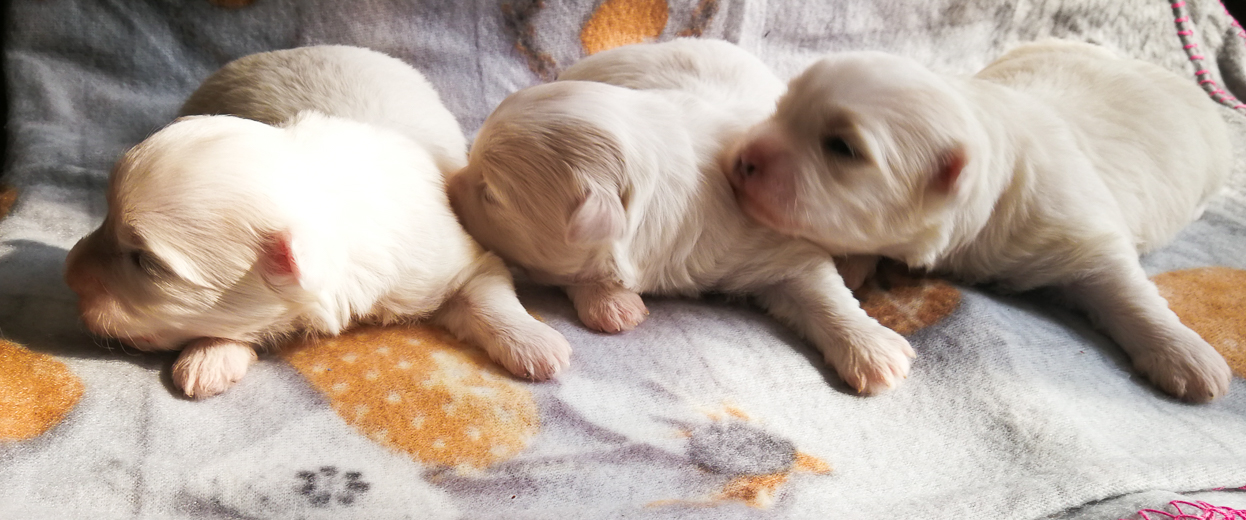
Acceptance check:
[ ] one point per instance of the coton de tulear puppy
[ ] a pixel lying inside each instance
(610, 192)
(225, 234)
(339, 80)
(1055, 166)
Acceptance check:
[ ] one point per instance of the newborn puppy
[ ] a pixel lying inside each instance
(610, 192)
(224, 234)
(338, 80)
(1055, 166)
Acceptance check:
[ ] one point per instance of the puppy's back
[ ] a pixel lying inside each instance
(1155, 137)
(713, 69)
(337, 80)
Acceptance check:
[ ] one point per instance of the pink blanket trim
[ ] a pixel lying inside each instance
(1185, 510)
(1185, 31)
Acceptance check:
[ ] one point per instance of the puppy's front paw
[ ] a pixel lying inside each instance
(610, 309)
(1188, 368)
(872, 361)
(536, 352)
(209, 366)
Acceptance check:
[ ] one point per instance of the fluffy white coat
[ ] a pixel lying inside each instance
(613, 190)
(339, 80)
(223, 233)
(1054, 166)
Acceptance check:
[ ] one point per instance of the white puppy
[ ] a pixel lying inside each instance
(338, 80)
(225, 234)
(610, 192)
(1054, 166)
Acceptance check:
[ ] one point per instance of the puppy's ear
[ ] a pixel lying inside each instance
(278, 260)
(598, 218)
(947, 170)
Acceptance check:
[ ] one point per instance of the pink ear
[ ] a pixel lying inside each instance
(280, 267)
(949, 169)
(598, 218)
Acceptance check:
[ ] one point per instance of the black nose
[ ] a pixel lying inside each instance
(744, 168)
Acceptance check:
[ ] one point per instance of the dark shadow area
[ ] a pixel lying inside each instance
(4, 90)
(1237, 8)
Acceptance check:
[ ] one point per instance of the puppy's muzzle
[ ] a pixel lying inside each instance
(744, 169)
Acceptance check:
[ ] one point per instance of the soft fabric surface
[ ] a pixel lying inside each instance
(709, 409)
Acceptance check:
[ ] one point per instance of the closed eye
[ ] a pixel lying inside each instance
(147, 263)
(838, 146)
(486, 194)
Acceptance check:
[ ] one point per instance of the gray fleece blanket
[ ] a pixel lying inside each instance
(710, 409)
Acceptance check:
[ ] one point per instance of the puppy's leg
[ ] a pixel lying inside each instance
(486, 312)
(607, 307)
(856, 269)
(209, 366)
(1120, 299)
(868, 356)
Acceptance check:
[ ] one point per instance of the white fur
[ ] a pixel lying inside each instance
(610, 191)
(209, 366)
(1054, 166)
(338, 80)
(226, 232)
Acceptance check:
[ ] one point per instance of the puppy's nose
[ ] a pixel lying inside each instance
(751, 163)
(744, 168)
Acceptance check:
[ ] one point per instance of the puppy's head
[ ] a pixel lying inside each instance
(191, 245)
(544, 185)
(862, 154)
